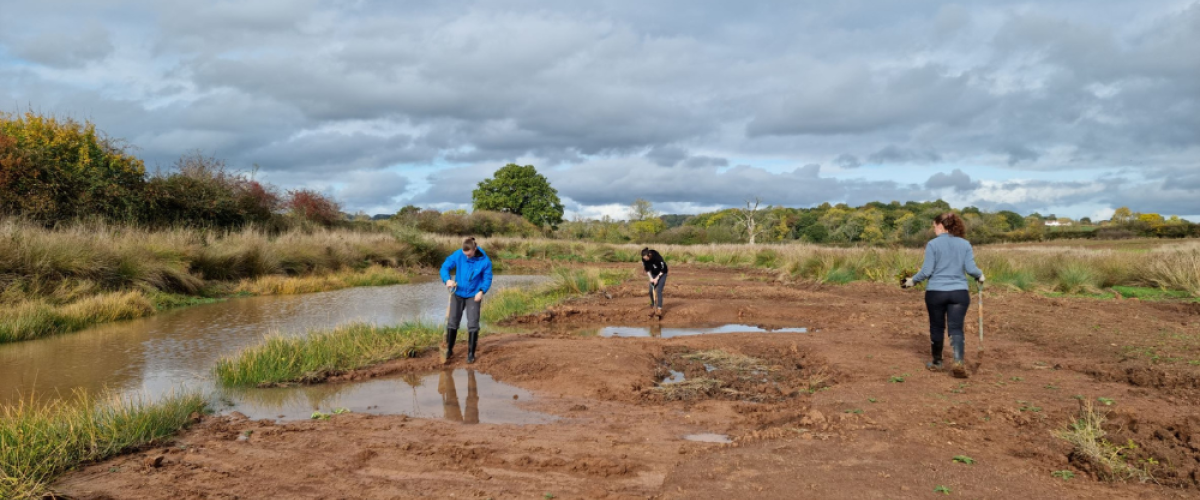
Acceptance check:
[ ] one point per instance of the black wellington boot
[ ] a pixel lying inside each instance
(448, 344)
(472, 341)
(935, 348)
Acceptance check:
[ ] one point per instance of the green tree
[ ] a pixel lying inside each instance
(1122, 215)
(520, 190)
(641, 210)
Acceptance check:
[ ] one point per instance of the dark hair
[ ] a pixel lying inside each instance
(646, 251)
(953, 224)
(469, 244)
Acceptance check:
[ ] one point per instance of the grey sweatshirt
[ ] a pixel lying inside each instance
(947, 257)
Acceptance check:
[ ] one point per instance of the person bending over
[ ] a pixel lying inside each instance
(947, 257)
(656, 270)
(472, 278)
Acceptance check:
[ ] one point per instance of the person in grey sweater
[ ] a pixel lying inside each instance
(947, 296)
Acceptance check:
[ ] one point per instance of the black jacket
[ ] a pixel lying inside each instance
(656, 265)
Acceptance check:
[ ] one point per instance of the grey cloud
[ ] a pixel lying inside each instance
(846, 160)
(64, 50)
(365, 190)
(956, 180)
(896, 154)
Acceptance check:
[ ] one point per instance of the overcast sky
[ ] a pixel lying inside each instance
(1065, 107)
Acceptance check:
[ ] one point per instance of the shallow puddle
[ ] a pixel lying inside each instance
(708, 438)
(666, 333)
(460, 395)
(674, 378)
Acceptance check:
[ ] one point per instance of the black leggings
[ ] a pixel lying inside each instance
(945, 306)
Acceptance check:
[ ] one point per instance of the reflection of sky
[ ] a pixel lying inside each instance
(163, 352)
(656, 331)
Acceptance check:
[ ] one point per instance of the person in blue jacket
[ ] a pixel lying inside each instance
(472, 278)
(948, 258)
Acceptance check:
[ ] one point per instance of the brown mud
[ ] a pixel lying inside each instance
(844, 411)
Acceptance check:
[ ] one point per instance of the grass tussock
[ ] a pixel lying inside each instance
(288, 285)
(1086, 433)
(280, 359)
(37, 319)
(38, 442)
(564, 283)
(723, 360)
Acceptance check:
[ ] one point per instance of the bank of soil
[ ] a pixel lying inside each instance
(844, 411)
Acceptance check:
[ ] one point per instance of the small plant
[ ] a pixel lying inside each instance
(316, 415)
(896, 379)
(1051, 387)
(549, 496)
(855, 411)
(1065, 475)
(1106, 401)
(248, 432)
(1016, 379)
(1026, 406)
(340, 411)
(1087, 434)
(873, 400)
(963, 459)
(943, 489)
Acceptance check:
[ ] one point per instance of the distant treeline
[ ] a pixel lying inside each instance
(54, 171)
(907, 224)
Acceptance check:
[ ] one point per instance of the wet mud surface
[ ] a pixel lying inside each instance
(843, 410)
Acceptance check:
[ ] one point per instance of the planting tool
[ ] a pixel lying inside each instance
(979, 355)
(444, 344)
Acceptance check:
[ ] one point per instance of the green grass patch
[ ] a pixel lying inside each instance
(564, 283)
(280, 359)
(1111, 460)
(1147, 293)
(38, 442)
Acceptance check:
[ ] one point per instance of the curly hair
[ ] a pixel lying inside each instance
(953, 224)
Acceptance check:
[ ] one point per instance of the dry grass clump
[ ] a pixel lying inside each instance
(688, 389)
(728, 361)
(1087, 434)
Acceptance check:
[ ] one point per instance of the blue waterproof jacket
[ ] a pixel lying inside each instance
(472, 274)
(947, 257)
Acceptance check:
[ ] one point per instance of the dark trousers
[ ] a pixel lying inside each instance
(947, 308)
(459, 305)
(662, 283)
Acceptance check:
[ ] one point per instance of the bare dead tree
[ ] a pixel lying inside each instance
(752, 221)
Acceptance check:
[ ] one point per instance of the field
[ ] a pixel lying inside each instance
(1070, 398)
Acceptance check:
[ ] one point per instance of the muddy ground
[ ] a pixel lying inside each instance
(846, 410)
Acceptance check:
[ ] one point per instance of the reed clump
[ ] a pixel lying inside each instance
(313, 358)
(564, 283)
(40, 441)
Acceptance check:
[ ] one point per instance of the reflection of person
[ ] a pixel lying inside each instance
(472, 278)
(656, 270)
(947, 257)
(472, 416)
(450, 408)
(656, 330)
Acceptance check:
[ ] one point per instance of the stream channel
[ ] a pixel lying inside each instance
(177, 349)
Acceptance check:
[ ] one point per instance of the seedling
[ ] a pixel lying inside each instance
(896, 379)
(963, 459)
(943, 489)
(248, 432)
(1106, 401)
(316, 415)
(1016, 379)
(1026, 406)
(1065, 475)
(548, 496)
(1051, 387)
(873, 400)
(856, 411)
(340, 411)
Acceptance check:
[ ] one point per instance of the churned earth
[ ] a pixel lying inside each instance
(843, 410)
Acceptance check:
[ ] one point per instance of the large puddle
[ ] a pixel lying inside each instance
(666, 333)
(179, 348)
(458, 395)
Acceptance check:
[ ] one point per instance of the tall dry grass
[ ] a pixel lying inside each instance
(61, 280)
(1066, 269)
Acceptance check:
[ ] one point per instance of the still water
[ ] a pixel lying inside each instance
(177, 349)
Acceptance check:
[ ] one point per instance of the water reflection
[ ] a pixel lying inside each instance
(429, 395)
(178, 348)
